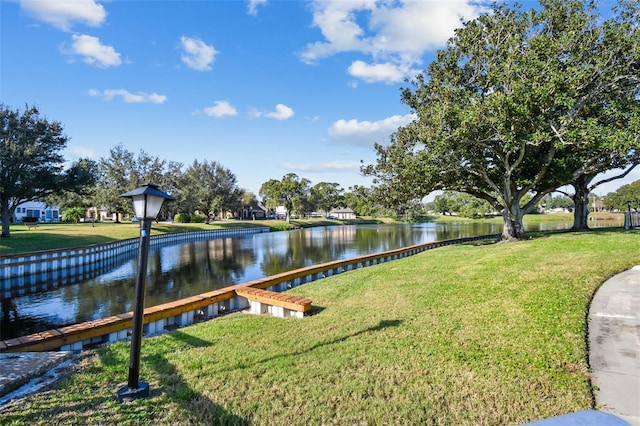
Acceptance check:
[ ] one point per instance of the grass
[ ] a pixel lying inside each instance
(536, 219)
(483, 335)
(62, 235)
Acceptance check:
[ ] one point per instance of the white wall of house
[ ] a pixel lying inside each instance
(37, 209)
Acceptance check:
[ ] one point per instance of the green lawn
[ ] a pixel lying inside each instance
(473, 334)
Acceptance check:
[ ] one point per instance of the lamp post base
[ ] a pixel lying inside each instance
(126, 393)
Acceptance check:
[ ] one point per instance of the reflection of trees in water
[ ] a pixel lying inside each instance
(184, 270)
(320, 245)
(201, 267)
(13, 324)
(300, 248)
(172, 273)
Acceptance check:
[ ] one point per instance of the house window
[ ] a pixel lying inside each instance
(33, 213)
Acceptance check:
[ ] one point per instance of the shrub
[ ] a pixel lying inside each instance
(182, 218)
(73, 214)
(198, 218)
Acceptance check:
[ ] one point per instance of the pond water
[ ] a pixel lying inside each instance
(186, 269)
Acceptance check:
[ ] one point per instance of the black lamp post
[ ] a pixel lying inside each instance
(147, 201)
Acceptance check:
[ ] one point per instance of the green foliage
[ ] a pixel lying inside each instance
(182, 218)
(362, 201)
(81, 186)
(519, 104)
(73, 214)
(123, 171)
(209, 188)
(463, 204)
(198, 218)
(326, 196)
(31, 161)
(292, 192)
(620, 199)
(558, 201)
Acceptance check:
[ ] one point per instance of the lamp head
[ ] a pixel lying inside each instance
(147, 200)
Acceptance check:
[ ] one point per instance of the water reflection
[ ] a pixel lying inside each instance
(183, 270)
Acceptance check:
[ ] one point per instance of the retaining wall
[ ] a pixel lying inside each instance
(38, 270)
(203, 306)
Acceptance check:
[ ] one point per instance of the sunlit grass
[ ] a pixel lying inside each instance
(488, 334)
(49, 236)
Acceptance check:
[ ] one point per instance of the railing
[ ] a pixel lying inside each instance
(203, 306)
(66, 266)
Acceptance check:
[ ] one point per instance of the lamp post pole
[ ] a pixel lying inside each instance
(147, 201)
(141, 388)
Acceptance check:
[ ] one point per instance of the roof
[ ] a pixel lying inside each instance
(341, 210)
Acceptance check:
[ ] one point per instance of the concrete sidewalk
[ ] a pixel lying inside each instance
(22, 373)
(614, 339)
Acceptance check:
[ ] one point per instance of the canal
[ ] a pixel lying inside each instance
(186, 269)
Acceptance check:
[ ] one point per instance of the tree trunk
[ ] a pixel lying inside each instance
(5, 216)
(581, 214)
(513, 227)
(581, 203)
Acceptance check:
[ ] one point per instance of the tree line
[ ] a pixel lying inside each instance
(32, 168)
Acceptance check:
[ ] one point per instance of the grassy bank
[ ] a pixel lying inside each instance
(49, 236)
(612, 219)
(490, 334)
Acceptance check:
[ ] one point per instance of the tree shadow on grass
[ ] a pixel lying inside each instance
(380, 326)
(87, 399)
(86, 394)
(172, 386)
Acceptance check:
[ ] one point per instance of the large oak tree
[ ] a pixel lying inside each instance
(506, 112)
(31, 161)
(290, 191)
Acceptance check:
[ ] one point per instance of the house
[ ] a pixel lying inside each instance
(38, 209)
(281, 212)
(342, 213)
(252, 212)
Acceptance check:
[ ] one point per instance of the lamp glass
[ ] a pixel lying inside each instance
(152, 204)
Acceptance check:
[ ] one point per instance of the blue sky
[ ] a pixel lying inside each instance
(263, 87)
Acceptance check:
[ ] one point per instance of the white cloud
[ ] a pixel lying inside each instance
(365, 133)
(252, 7)
(394, 34)
(282, 112)
(385, 72)
(92, 51)
(220, 109)
(197, 54)
(128, 97)
(336, 166)
(62, 14)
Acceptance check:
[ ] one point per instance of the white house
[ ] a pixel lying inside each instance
(38, 209)
(281, 212)
(342, 213)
